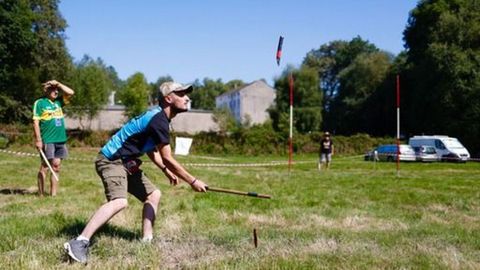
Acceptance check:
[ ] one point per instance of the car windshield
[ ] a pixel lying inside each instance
(452, 143)
(405, 148)
(430, 150)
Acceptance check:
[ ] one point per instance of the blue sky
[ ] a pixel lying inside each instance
(235, 39)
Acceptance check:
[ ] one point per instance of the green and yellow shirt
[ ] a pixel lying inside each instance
(52, 124)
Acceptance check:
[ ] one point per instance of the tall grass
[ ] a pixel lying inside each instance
(357, 215)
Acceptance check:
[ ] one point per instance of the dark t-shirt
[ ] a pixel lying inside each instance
(140, 135)
(326, 146)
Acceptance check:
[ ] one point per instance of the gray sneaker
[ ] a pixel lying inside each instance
(77, 249)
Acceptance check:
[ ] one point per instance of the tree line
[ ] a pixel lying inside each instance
(33, 50)
(343, 86)
(353, 82)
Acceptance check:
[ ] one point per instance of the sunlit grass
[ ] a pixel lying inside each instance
(357, 215)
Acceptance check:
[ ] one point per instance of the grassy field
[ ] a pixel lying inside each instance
(358, 215)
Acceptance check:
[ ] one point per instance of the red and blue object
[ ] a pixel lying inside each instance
(279, 50)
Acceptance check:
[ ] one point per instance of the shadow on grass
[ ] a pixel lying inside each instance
(74, 228)
(17, 191)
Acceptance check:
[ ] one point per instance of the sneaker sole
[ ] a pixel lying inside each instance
(70, 253)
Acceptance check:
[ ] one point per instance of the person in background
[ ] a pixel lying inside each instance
(118, 166)
(326, 151)
(49, 130)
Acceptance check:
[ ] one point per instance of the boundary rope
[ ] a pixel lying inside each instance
(189, 164)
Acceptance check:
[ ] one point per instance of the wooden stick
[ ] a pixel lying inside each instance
(230, 191)
(48, 164)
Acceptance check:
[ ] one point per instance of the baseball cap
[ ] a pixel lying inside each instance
(169, 87)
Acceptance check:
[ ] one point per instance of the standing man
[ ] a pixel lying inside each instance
(326, 151)
(119, 167)
(49, 130)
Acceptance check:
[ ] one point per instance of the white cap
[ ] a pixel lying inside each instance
(168, 87)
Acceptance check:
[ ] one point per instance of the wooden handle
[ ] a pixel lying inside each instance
(48, 164)
(230, 191)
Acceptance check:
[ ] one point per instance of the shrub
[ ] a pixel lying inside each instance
(17, 134)
(82, 138)
(255, 140)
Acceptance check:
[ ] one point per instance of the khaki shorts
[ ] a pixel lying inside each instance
(118, 182)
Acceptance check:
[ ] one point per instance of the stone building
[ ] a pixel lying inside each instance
(248, 102)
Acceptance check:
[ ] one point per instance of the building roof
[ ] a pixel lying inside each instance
(252, 85)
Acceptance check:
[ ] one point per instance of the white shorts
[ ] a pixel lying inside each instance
(325, 158)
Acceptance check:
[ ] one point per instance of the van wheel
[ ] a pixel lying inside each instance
(390, 159)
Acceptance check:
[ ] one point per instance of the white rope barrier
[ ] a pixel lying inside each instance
(265, 164)
(257, 164)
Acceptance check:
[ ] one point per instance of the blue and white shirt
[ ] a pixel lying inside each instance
(139, 136)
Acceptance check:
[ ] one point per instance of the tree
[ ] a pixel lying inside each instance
(116, 82)
(32, 51)
(135, 94)
(379, 110)
(234, 84)
(225, 121)
(203, 97)
(92, 82)
(329, 61)
(443, 55)
(307, 101)
(205, 93)
(358, 81)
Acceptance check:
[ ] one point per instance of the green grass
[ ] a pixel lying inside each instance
(358, 215)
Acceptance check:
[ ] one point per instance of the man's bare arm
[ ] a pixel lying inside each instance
(179, 170)
(156, 158)
(37, 134)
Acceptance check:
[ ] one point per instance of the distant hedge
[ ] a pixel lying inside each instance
(256, 140)
(255, 143)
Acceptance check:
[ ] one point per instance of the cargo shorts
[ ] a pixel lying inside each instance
(117, 181)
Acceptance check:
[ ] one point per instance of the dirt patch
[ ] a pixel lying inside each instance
(449, 255)
(187, 253)
(331, 245)
(353, 223)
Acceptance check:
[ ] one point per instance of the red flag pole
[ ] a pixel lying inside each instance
(398, 125)
(290, 138)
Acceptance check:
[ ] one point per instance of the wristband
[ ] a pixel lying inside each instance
(193, 182)
(164, 168)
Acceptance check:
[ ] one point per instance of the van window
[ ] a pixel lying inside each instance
(439, 144)
(453, 143)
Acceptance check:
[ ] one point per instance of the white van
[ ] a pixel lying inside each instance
(448, 148)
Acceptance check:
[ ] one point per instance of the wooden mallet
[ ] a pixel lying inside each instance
(48, 164)
(230, 191)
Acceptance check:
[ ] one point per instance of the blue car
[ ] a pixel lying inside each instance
(388, 152)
